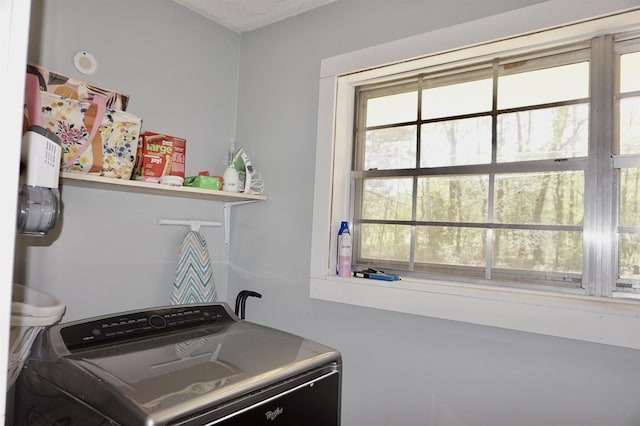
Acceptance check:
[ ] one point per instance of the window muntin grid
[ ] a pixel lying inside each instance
(432, 202)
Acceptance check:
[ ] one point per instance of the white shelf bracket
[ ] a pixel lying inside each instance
(227, 218)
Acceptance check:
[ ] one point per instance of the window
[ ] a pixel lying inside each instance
(627, 166)
(477, 171)
(499, 180)
(490, 172)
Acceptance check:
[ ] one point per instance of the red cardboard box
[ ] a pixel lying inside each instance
(159, 155)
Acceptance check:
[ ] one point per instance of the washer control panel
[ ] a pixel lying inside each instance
(140, 324)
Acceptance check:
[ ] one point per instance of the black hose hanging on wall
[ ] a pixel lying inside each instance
(241, 301)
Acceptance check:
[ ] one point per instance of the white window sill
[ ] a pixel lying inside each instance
(611, 321)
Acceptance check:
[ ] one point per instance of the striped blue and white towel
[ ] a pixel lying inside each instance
(193, 282)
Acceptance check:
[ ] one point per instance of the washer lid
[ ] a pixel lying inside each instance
(171, 375)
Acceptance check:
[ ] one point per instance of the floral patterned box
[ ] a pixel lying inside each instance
(111, 152)
(68, 87)
(96, 134)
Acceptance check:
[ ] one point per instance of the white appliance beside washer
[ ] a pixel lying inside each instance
(187, 365)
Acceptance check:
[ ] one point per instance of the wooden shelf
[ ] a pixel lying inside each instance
(93, 181)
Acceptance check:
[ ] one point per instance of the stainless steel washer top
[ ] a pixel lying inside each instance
(155, 366)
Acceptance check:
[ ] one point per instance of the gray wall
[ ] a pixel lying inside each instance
(181, 71)
(399, 369)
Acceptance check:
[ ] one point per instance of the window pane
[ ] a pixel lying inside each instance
(450, 245)
(538, 250)
(445, 101)
(552, 198)
(391, 109)
(456, 142)
(542, 86)
(550, 133)
(629, 71)
(453, 199)
(630, 126)
(387, 199)
(630, 198)
(387, 242)
(444, 199)
(629, 256)
(393, 148)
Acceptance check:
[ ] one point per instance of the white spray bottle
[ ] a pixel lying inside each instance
(230, 176)
(343, 264)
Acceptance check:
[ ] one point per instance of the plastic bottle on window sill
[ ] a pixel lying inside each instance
(344, 226)
(344, 251)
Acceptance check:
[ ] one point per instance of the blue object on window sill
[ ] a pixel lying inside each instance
(374, 274)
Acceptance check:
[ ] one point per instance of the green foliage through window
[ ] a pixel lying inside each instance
(494, 170)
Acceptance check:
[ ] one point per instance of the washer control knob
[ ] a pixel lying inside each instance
(156, 321)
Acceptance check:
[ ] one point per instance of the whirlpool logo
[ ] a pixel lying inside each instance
(271, 415)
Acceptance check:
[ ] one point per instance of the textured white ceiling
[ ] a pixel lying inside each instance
(247, 15)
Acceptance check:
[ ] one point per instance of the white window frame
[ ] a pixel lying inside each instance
(593, 319)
